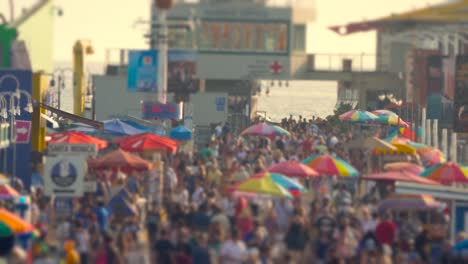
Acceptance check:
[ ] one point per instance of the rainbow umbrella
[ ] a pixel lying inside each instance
(394, 138)
(431, 156)
(7, 192)
(446, 173)
(328, 165)
(358, 116)
(264, 129)
(293, 168)
(16, 223)
(410, 202)
(266, 183)
(392, 120)
(384, 112)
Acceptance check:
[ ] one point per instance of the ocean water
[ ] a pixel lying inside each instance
(304, 98)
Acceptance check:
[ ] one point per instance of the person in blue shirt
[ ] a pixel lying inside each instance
(102, 215)
(200, 252)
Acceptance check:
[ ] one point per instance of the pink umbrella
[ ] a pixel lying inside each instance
(404, 166)
(392, 176)
(293, 168)
(264, 129)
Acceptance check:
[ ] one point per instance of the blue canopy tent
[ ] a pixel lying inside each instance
(181, 133)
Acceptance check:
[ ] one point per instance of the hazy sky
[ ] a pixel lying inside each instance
(109, 24)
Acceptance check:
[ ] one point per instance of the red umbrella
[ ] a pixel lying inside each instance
(146, 141)
(122, 160)
(75, 137)
(401, 175)
(293, 168)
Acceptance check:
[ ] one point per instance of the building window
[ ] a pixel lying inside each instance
(260, 37)
(298, 41)
(282, 37)
(226, 37)
(215, 34)
(248, 36)
(271, 37)
(205, 36)
(236, 36)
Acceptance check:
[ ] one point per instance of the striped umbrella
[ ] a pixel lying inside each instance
(264, 129)
(431, 156)
(409, 202)
(358, 116)
(293, 168)
(328, 165)
(16, 223)
(7, 192)
(384, 112)
(266, 183)
(392, 120)
(447, 173)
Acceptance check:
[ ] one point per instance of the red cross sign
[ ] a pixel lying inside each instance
(276, 68)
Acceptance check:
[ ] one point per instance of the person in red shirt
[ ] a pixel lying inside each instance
(386, 230)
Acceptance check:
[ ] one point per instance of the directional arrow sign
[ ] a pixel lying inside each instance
(23, 131)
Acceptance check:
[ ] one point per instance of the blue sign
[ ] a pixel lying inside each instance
(220, 104)
(63, 205)
(142, 71)
(18, 155)
(461, 218)
(157, 110)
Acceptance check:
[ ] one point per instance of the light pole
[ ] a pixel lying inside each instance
(60, 73)
(163, 6)
(10, 106)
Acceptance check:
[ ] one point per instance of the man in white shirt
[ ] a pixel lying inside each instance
(233, 250)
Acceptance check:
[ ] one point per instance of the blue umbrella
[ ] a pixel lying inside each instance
(181, 133)
(463, 245)
(138, 126)
(115, 127)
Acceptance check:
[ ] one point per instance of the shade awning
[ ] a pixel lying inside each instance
(96, 124)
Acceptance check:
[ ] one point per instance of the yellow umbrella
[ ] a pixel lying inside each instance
(16, 223)
(259, 184)
(400, 149)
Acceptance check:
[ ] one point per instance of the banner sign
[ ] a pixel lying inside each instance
(157, 110)
(12, 81)
(71, 149)
(461, 95)
(142, 71)
(182, 68)
(4, 135)
(64, 176)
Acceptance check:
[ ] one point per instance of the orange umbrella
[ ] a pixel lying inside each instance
(121, 160)
(75, 137)
(16, 223)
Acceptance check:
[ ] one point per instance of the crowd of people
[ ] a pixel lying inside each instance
(198, 222)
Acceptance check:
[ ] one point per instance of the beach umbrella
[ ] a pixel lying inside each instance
(392, 120)
(121, 160)
(404, 166)
(430, 155)
(264, 129)
(75, 137)
(446, 173)
(328, 165)
(394, 138)
(415, 202)
(7, 192)
(139, 126)
(7, 239)
(181, 133)
(370, 143)
(16, 223)
(114, 127)
(149, 141)
(358, 116)
(401, 175)
(266, 183)
(293, 168)
(384, 112)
